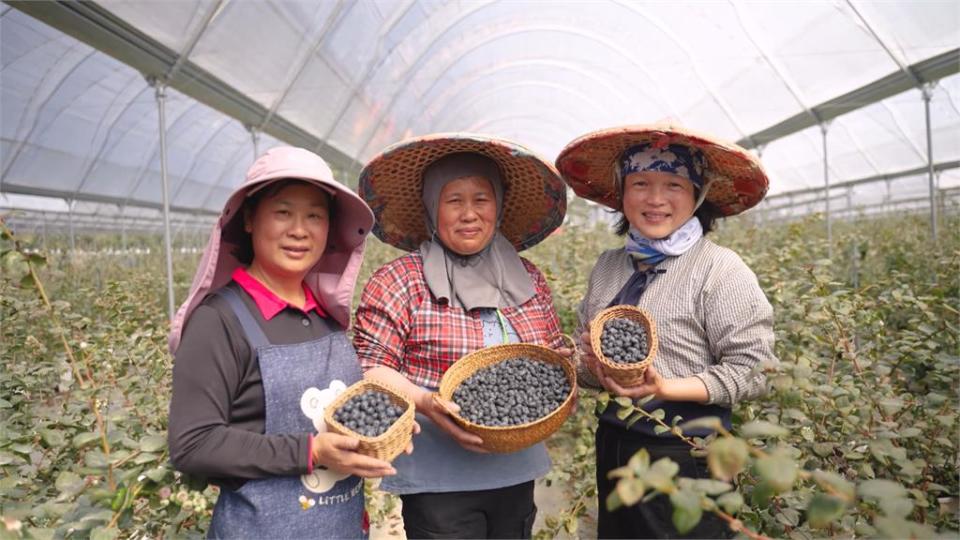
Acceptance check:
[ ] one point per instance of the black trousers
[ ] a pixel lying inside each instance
(493, 513)
(615, 446)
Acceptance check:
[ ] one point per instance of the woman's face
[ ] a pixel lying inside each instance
(467, 215)
(289, 231)
(657, 203)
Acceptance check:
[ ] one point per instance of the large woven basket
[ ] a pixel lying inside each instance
(387, 445)
(624, 374)
(502, 439)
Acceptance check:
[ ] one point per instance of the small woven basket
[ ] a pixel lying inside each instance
(387, 445)
(503, 439)
(624, 374)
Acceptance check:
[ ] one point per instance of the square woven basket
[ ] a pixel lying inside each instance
(503, 439)
(388, 444)
(624, 374)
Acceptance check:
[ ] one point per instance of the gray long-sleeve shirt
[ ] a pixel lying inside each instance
(713, 320)
(217, 412)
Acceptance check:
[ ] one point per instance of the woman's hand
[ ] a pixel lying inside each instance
(438, 411)
(338, 452)
(651, 383)
(416, 431)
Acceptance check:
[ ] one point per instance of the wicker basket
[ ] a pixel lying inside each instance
(387, 445)
(624, 374)
(504, 439)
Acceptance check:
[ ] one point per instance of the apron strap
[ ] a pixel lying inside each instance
(251, 328)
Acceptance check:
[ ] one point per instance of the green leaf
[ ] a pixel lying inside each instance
(634, 418)
(102, 533)
(83, 439)
(26, 282)
(4, 404)
(910, 432)
(778, 471)
(153, 443)
(896, 507)
(658, 429)
(603, 400)
(639, 462)
(711, 487)
(726, 457)
(881, 489)
(659, 414)
(761, 495)
(145, 458)
(624, 401)
(630, 491)
(623, 413)
(712, 423)
(832, 482)
(686, 510)
(68, 481)
(660, 475)
(731, 502)
(824, 509)
(761, 428)
(53, 438)
(158, 474)
(613, 501)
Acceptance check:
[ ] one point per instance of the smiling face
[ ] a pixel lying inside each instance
(289, 232)
(467, 215)
(657, 203)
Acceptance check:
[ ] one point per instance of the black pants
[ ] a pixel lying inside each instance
(493, 513)
(615, 446)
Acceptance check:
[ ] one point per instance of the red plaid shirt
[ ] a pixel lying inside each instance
(401, 325)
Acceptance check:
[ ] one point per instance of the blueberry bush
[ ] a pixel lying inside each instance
(856, 436)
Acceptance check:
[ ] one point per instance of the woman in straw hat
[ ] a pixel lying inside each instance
(462, 205)
(260, 351)
(714, 324)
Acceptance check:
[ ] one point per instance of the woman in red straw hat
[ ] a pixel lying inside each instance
(714, 324)
(260, 351)
(463, 206)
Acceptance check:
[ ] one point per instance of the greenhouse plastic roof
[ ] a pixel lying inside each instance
(347, 78)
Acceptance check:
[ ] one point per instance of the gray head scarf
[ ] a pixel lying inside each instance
(493, 278)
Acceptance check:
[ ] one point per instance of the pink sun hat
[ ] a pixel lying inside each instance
(332, 279)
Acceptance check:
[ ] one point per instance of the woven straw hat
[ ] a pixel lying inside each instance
(534, 199)
(736, 177)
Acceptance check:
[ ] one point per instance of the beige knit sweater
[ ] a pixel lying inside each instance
(713, 320)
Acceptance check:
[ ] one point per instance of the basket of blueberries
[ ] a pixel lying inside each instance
(376, 414)
(512, 396)
(624, 339)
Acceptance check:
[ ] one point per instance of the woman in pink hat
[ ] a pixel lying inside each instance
(714, 324)
(260, 350)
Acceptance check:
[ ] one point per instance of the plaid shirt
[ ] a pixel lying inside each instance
(402, 326)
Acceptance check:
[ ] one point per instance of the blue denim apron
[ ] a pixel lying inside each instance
(298, 382)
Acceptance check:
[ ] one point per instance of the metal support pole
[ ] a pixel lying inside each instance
(255, 136)
(826, 190)
(73, 240)
(927, 92)
(123, 230)
(43, 216)
(161, 95)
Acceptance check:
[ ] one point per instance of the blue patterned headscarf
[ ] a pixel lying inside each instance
(672, 158)
(676, 159)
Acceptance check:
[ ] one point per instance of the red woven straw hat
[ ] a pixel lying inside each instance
(534, 199)
(736, 177)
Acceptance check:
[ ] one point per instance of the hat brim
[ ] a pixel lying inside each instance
(534, 200)
(736, 177)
